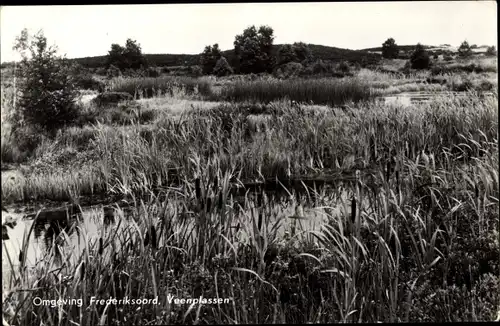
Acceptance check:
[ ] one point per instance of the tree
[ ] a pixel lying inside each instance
(390, 49)
(253, 50)
(420, 58)
(491, 51)
(128, 57)
(286, 54)
(115, 57)
(298, 52)
(464, 50)
(222, 67)
(48, 91)
(209, 58)
(302, 52)
(133, 55)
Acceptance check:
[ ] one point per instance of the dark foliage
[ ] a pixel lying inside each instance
(420, 58)
(110, 98)
(390, 49)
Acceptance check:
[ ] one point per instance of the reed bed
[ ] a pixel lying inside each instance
(147, 87)
(399, 256)
(288, 142)
(412, 236)
(327, 91)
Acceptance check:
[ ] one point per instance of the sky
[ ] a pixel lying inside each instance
(89, 30)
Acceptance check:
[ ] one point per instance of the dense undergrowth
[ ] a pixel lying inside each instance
(411, 236)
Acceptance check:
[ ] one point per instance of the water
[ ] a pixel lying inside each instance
(412, 98)
(43, 233)
(86, 228)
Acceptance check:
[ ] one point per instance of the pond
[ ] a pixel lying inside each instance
(87, 224)
(412, 98)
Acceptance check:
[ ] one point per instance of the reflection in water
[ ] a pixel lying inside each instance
(50, 233)
(51, 236)
(66, 238)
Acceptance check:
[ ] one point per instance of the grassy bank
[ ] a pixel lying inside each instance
(285, 143)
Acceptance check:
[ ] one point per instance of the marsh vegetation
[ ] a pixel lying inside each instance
(301, 200)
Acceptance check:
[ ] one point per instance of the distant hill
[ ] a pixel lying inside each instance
(405, 48)
(439, 49)
(322, 52)
(161, 60)
(327, 53)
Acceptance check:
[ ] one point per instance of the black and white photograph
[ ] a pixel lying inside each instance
(249, 163)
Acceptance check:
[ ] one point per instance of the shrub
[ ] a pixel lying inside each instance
(222, 68)
(343, 67)
(287, 70)
(286, 54)
(486, 85)
(113, 71)
(48, 90)
(153, 72)
(318, 67)
(390, 49)
(87, 81)
(128, 57)
(196, 71)
(464, 50)
(209, 58)
(491, 51)
(101, 71)
(420, 58)
(111, 98)
(462, 85)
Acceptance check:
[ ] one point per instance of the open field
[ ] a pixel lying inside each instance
(300, 200)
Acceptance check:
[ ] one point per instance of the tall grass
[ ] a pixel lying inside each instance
(319, 91)
(289, 143)
(411, 235)
(400, 249)
(150, 87)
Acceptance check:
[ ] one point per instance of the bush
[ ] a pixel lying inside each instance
(48, 90)
(101, 71)
(287, 70)
(390, 49)
(87, 81)
(343, 67)
(448, 57)
(209, 58)
(486, 85)
(319, 68)
(420, 58)
(196, 71)
(153, 72)
(464, 50)
(111, 98)
(113, 71)
(491, 51)
(222, 68)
